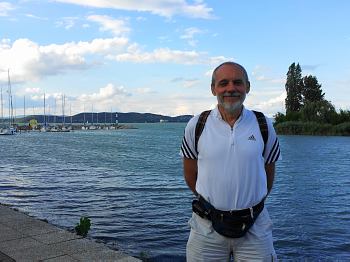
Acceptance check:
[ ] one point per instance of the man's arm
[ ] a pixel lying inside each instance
(190, 173)
(270, 175)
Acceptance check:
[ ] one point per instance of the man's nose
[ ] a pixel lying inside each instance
(231, 86)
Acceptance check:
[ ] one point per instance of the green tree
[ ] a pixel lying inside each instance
(293, 88)
(319, 111)
(311, 90)
(343, 116)
(279, 118)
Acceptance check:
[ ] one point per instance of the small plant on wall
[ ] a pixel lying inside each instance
(83, 227)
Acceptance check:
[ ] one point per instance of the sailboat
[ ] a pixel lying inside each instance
(10, 130)
(44, 128)
(63, 128)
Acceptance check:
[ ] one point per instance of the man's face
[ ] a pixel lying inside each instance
(230, 88)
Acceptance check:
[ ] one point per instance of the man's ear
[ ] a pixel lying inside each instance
(248, 87)
(213, 90)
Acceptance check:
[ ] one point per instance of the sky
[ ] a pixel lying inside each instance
(157, 56)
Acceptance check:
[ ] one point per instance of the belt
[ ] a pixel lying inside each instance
(231, 214)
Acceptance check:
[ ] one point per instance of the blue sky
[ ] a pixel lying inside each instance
(157, 56)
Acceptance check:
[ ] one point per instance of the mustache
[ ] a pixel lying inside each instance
(231, 94)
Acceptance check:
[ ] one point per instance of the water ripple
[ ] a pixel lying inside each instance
(130, 184)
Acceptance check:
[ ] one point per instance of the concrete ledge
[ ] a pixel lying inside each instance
(23, 238)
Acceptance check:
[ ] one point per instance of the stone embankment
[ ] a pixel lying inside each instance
(24, 238)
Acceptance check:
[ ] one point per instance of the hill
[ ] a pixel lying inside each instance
(107, 117)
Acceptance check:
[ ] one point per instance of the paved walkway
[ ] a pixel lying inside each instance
(23, 238)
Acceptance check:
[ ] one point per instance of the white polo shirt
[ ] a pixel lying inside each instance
(231, 168)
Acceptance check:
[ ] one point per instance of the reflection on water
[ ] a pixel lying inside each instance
(130, 184)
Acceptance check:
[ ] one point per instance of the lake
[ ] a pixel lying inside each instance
(130, 184)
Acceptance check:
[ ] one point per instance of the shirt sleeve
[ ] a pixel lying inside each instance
(272, 150)
(188, 142)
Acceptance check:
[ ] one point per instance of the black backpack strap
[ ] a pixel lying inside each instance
(263, 127)
(200, 126)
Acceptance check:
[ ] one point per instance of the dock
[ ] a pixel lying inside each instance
(24, 238)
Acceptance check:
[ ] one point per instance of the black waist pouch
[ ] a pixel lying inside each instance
(233, 224)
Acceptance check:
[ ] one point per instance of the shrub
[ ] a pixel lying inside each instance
(83, 227)
(342, 129)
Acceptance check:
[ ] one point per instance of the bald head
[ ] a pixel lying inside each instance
(213, 78)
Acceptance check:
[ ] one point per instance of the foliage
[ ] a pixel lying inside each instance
(311, 90)
(342, 129)
(307, 111)
(83, 227)
(319, 111)
(279, 118)
(304, 128)
(144, 256)
(33, 123)
(293, 116)
(312, 128)
(293, 87)
(343, 116)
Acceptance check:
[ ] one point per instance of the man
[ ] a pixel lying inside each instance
(230, 171)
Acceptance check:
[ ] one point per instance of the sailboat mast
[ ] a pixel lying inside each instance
(63, 105)
(92, 114)
(24, 108)
(44, 111)
(2, 108)
(11, 120)
(54, 113)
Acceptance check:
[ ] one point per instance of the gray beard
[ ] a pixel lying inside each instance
(229, 107)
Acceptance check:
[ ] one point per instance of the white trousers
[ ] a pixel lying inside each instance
(205, 244)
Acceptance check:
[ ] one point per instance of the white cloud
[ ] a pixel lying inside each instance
(189, 34)
(103, 99)
(109, 92)
(166, 55)
(161, 55)
(145, 90)
(36, 17)
(167, 8)
(191, 83)
(274, 104)
(209, 73)
(67, 22)
(5, 8)
(259, 74)
(32, 90)
(217, 60)
(29, 61)
(141, 18)
(116, 26)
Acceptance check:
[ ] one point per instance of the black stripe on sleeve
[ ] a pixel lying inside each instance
(186, 150)
(277, 156)
(273, 151)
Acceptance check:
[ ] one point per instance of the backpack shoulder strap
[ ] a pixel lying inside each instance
(263, 127)
(200, 126)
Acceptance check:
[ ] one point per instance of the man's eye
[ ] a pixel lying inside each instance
(238, 82)
(223, 83)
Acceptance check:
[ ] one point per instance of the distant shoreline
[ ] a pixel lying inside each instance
(312, 129)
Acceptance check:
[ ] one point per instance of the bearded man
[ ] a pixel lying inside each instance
(230, 167)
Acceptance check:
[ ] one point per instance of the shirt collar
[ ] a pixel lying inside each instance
(218, 115)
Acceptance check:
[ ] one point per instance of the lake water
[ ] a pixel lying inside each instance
(130, 184)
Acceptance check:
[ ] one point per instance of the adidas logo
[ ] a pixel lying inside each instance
(252, 138)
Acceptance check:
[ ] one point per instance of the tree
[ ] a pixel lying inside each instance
(311, 90)
(293, 88)
(319, 111)
(279, 118)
